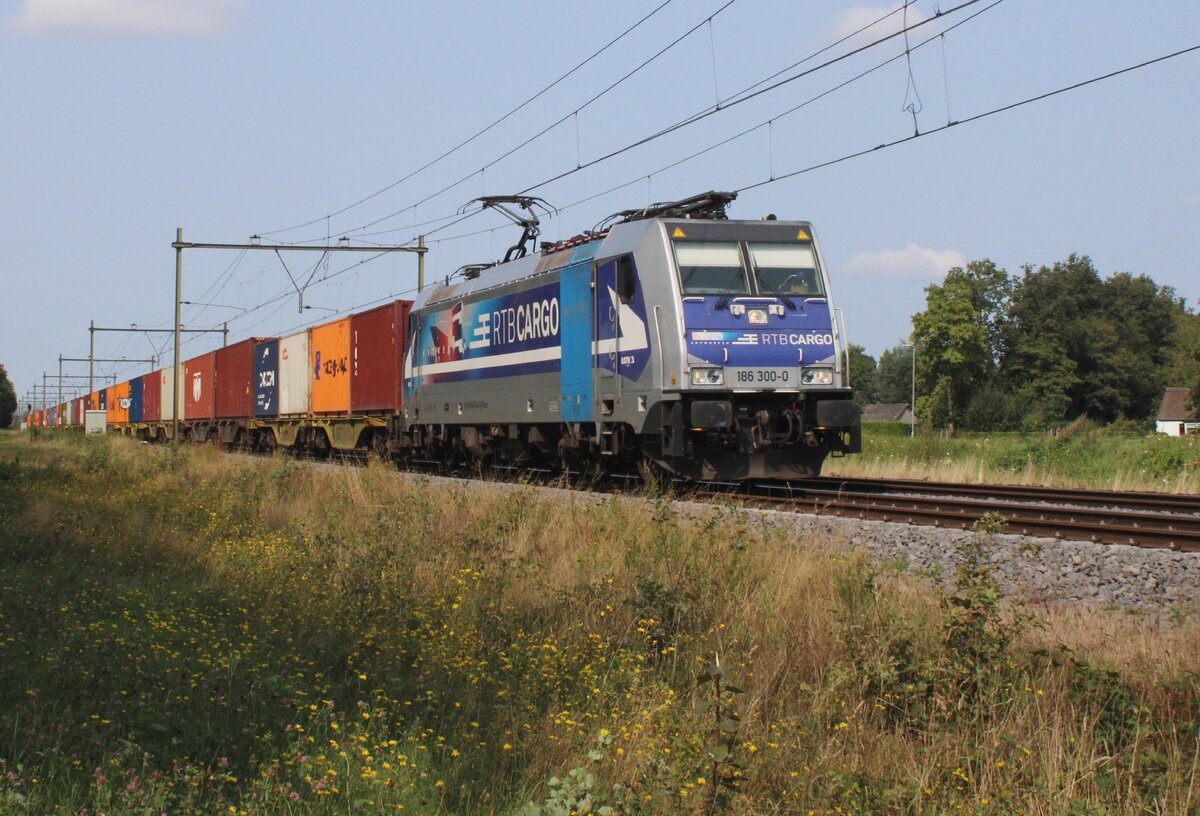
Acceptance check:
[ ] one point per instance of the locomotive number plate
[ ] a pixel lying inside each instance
(763, 377)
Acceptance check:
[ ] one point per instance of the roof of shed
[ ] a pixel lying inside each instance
(885, 412)
(1174, 406)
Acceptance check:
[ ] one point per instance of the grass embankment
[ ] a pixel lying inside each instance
(187, 632)
(1083, 455)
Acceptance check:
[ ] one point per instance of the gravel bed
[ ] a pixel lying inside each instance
(1041, 570)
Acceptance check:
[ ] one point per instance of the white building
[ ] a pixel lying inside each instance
(1174, 416)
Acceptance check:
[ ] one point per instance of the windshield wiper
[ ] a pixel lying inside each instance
(779, 290)
(723, 301)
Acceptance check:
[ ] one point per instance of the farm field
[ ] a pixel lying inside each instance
(183, 631)
(1083, 455)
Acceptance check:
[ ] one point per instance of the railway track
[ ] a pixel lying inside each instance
(1157, 520)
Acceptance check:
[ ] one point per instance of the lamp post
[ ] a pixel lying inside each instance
(913, 399)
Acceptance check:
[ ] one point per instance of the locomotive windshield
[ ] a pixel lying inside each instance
(786, 269)
(711, 268)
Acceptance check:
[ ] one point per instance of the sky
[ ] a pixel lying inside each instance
(126, 119)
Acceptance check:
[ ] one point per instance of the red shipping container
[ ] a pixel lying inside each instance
(151, 397)
(235, 380)
(377, 345)
(198, 387)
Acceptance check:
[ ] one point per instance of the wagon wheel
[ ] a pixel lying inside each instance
(380, 447)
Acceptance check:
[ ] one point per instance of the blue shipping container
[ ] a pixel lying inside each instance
(136, 401)
(266, 378)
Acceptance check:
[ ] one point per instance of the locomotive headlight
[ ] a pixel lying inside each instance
(708, 376)
(817, 376)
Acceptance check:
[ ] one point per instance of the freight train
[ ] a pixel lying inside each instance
(669, 341)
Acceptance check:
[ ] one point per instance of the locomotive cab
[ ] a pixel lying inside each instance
(760, 391)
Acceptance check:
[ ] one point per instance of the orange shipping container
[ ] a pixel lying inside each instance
(118, 404)
(329, 355)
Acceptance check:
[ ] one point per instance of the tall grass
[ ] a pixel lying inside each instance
(183, 631)
(1082, 455)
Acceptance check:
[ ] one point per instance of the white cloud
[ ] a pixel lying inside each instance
(120, 18)
(852, 19)
(911, 263)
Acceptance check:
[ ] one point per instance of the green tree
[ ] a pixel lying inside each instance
(8, 399)
(893, 376)
(960, 337)
(862, 374)
(1078, 345)
(1183, 359)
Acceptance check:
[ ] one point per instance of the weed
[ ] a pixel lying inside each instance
(208, 633)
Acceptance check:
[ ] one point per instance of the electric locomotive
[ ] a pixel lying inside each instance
(670, 340)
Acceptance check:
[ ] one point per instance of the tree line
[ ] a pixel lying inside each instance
(1001, 352)
(8, 399)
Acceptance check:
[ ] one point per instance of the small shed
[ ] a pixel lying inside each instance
(1175, 418)
(888, 412)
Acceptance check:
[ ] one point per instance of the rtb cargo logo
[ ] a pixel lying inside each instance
(517, 324)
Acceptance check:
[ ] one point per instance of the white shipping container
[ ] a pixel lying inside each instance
(295, 374)
(167, 407)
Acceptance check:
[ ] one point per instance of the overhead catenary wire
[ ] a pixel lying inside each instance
(555, 123)
(737, 98)
(916, 105)
(969, 119)
(483, 130)
(744, 94)
(896, 142)
(712, 110)
(818, 53)
(224, 278)
(457, 217)
(768, 122)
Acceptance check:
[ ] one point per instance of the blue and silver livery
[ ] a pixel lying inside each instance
(675, 341)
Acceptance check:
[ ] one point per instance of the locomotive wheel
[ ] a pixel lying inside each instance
(591, 471)
(580, 471)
